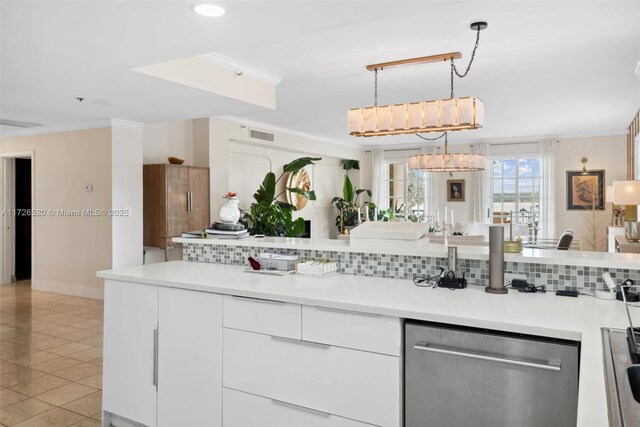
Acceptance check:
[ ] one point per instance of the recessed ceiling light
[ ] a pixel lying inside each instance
(209, 10)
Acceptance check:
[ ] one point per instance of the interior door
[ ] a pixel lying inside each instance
(199, 187)
(189, 358)
(177, 190)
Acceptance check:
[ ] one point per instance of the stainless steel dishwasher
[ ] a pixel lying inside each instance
(457, 376)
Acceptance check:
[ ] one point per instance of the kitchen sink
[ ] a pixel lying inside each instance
(633, 373)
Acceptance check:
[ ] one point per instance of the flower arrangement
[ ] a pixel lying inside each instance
(230, 195)
(618, 211)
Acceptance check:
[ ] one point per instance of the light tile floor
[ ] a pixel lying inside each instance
(50, 358)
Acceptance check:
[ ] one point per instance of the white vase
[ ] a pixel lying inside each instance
(230, 213)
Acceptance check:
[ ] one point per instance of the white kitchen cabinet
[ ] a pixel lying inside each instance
(349, 383)
(130, 324)
(189, 358)
(263, 316)
(363, 331)
(248, 410)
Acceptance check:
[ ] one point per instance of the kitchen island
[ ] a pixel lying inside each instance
(371, 309)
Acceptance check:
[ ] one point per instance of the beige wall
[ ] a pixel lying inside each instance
(69, 250)
(604, 152)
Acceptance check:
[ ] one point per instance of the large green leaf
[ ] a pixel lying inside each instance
(350, 164)
(347, 190)
(311, 195)
(298, 164)
(267, 190)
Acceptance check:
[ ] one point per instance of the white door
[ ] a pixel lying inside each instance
(130, 323)
(189, 358)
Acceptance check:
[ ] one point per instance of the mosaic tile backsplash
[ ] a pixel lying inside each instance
(554, 277)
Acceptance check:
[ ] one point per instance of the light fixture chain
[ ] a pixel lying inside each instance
(375, 88)
(444, 135)
(473, 54)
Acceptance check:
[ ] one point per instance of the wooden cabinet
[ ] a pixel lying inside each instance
(176, 199)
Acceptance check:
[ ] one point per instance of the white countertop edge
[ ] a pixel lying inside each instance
(532, 256)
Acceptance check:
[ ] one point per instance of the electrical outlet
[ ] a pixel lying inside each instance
(508, 278)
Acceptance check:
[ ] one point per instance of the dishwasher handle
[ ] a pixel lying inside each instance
(549, 366)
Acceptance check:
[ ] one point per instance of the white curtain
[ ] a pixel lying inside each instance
(377, 178)
(548, 191)
(480, 186)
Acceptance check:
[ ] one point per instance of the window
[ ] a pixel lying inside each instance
(515, 187)
(404, 191)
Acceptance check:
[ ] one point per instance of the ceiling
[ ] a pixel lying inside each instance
(543, 69)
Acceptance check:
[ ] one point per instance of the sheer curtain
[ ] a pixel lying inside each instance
(548, 190)
(480, 186)
(377, 177)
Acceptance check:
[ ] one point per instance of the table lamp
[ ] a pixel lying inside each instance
(628, 193)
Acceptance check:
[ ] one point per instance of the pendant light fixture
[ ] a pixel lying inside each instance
(420, 117)
(447, 162)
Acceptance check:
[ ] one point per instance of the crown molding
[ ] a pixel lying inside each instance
(272, 128)
(93, 124)
(237, 66)
(43, 130)
(126, 124)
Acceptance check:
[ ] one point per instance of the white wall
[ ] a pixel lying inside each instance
(166, 139)
(126, 190)
(239, 164)
(605, 152)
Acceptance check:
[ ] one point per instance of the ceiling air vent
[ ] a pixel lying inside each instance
(17, 124)
(262, 136)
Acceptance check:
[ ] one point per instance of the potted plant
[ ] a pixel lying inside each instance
(347, 205)
(272, 217)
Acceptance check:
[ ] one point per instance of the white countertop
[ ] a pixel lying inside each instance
(547, 315)
(534, 256)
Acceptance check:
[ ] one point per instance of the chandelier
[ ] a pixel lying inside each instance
(447, 162)
(443, 115)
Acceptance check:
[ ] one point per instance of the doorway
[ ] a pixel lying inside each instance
(23, 219)
(17, 229)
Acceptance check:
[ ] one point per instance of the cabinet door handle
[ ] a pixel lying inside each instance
(300, 408)
(550, 366)
(266, 301)
(337, 310)
(155, 358)
(303, 342)
(190, 201)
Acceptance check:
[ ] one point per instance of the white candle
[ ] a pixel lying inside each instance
(445, 215)
(437, 216)
(452, 216)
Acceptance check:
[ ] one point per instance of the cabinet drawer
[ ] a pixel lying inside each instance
(370, 332)
(262, 316)
(349, 383)
(248, 410)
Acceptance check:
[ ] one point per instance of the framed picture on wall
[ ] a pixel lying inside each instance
(585, 190)
(455, 190)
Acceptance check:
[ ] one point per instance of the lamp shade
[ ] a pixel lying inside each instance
(609, 194)
(626, 192)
